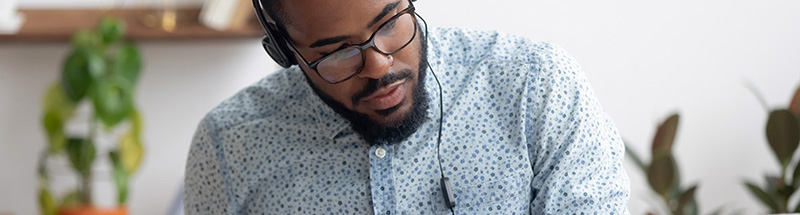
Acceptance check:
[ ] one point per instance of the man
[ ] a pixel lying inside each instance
(360, 126)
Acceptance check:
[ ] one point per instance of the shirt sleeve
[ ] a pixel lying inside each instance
(575, 150)
(205, 188)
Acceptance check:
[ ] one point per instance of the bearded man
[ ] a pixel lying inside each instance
(375, 114)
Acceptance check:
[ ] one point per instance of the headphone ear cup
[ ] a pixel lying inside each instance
(276, 48)
(277, 55)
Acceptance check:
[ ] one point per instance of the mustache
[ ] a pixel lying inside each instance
(375, 84)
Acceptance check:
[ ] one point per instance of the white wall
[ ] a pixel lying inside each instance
(645, 59)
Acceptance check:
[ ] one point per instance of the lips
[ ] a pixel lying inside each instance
(386, 97)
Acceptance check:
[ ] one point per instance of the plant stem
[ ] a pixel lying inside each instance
(783, 201)
(86, 194)
(86, 178)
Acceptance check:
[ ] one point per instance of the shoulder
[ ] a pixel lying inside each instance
(471, 46)
(267, 98)
(520, 63)
(498, 51)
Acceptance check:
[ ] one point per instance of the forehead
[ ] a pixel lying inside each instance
(310, 20)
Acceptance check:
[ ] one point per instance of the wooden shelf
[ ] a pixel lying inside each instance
(59, 25)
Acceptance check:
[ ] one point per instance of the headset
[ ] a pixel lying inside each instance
(274, 42)
(277, 46)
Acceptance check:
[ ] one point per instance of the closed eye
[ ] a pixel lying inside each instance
(343, 46)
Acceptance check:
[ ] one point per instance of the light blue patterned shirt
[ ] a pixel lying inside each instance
(522, 134)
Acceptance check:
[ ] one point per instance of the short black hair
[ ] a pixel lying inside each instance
(274, 10)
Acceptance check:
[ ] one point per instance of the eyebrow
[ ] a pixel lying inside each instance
(389, 7)
(332, 40)
(328, 41)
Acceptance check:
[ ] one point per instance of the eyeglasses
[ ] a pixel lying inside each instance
(391, 37)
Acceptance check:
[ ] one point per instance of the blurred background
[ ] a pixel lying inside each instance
(645, 60)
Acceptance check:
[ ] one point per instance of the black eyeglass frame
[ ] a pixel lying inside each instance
(363, 46)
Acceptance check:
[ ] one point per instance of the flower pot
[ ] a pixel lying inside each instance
(91, 210)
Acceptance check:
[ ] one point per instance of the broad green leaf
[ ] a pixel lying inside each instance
(636, 159)
(136, 124)
(80, 67)
(85, 39)
(121, 177)
(75, 75)
(46, 202)
(57, 109)
(81, 154)
(763, 197)
(72, 199)
(794, 105)
(665, 135)
(56, 100)
(783, 134)
(661, 174)
(131, 151)
(685, 198)
(54, 127)
(128, 63)
(111, 29)
(112, 100)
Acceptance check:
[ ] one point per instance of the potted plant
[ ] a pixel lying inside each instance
(100, 72)
(783, 136)
(662, 172)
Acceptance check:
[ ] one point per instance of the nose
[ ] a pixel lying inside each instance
(376, 64)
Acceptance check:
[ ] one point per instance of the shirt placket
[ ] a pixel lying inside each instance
(381, 183)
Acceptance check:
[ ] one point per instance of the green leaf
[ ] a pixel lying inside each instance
(796, 175)
(75, 77)
(128, 63)
(113, 100)
(661, 174)
(665, 135)
(56, 100)
(131, 151)
(692, 208)
(57, 109)
(85, 39)
(772, 184)
(761, 195)
(636, 159)
(46, 202)
(783, 134)
(757, 94)
(54, 127)
(685, 198)
(80, 67)
(81, 154)
(797, 208)
(121, 177)
(794, 105)
(111, 29)
(136, 124)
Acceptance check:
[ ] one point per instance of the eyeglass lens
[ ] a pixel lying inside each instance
(390, 38)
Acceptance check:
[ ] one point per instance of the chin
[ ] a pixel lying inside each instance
(398, 113)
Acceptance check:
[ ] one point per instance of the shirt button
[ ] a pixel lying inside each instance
(380, 152)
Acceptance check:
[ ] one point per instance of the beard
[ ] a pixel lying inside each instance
(376, 133)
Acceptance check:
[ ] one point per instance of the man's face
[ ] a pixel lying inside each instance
(384, 89)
